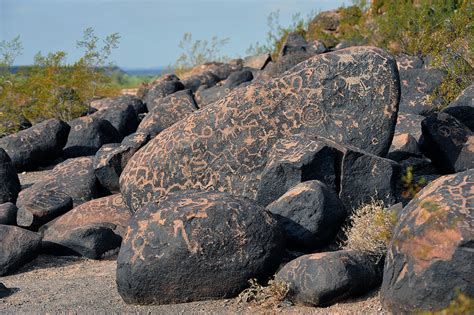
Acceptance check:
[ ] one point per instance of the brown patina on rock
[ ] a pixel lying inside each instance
(350, 96)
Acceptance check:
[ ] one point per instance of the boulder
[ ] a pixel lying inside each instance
(406, 62)
(106, 103)
(417, 86)
(431, 256)
(166, 111)
(144, 88)
(294, 43)
(316, 47)
(311, 215)
(237, 78)
(161, 90)
(294, 160)
(206, 79)
(404, 145)
(225, 145)
(225, 70)
(213, 94)
(19, 247)
(87, 135)
(462, 108)
(123, 117)
(283, 64)
(448, 143)
(93, 229)
(322, 279)
(258, 61)
(36, 146)
(193, 246)
(43, 201)
(111, 159)
(410, 124)
(9, 182)
(8, 213)
(4, 291)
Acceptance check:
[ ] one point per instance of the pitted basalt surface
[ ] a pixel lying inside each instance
(225, 145)
(9, 182)
(431, 254)
(193, 246)
(81, 230)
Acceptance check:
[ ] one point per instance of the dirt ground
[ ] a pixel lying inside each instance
(77, 285)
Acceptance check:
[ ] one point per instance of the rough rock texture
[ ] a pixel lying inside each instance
(8, 213)
(111, 159)
(206, 79)
(18, 246)
(195, 246)
(257, 62)
(161, 90)
(109, 102)
(123, 117)
(294, 43)
(294, 160)
(74, 178)
(417, 87)
(311, 215)
(366, 176)
(4, 291)
(225, 145)
(164, 112)
(410, 124)
(36, 146)
(87, 135)
(404, 145)
(9, 182)
(237, 78)
(316, 47)
(462, 108)
(406, 62)
(92, 229)
(432, 254)
(285, 63)
(322, 279)
(215, 93)
(448, 143)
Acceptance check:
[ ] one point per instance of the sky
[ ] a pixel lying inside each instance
(150, 30)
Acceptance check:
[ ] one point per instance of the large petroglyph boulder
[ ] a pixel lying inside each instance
(225, 145)
(36, 146)
(431, 255)
(195, 246)
(92, 229)
(9, 182)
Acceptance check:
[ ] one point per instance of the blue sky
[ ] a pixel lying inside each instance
(150, 30)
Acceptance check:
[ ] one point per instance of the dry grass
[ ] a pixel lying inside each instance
(370, 229)
(271, 296)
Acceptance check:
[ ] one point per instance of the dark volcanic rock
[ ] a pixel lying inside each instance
(448, 143)
(4, 291)
(294, 160)
(311, 215)
(8, 213)
(406, 62)
(257, 62)
(106, 103)
(294, 43)
(195, 246)
(417, 86)
(283, 64)
(206, 79)
(123, 117)
(161, 90)
(87, 135)
(322, 279)
(49, 198)
(225, 145)
(164, 112)
(9, 182)
(431, 255)
(404, 145)
(462, 108)
(91, 230)
(410, 124)
(18, 246)
(36, 146)
(111, 159)
(237, 78)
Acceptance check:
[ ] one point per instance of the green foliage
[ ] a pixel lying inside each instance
(270, 297)
(198, 52)
(410, 187)
(462, 304)
(53, 88)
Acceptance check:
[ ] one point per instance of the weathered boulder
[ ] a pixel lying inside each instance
(431, 254)
(123, 117)
(417, 87)
(294, 160)
(462, 108)
(111, 159)
(87, 135)
(43, 201)
(257, 62)
(161, 90)
(283, 64)
(206, 79)
(36, 146)
(4, 291)
(93, 229)
(322, 279)
(164, 112)
(404, 145)
(193, 246)
(215, 93)
(9, 182)
(410, 124)
(237, 78)
(144, 88)
(448, 143)
(225, 145)
(8, 213)
(106, 103)
(311, 215)
(316, 47)
(294, 43)
(18, 247)
(406, 62)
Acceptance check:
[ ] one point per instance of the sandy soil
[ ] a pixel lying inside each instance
(77, 285)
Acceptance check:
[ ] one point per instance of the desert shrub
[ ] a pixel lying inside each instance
(198, 52)
(462, 304)
(53, 88)
(271, 296)
(370, 229)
